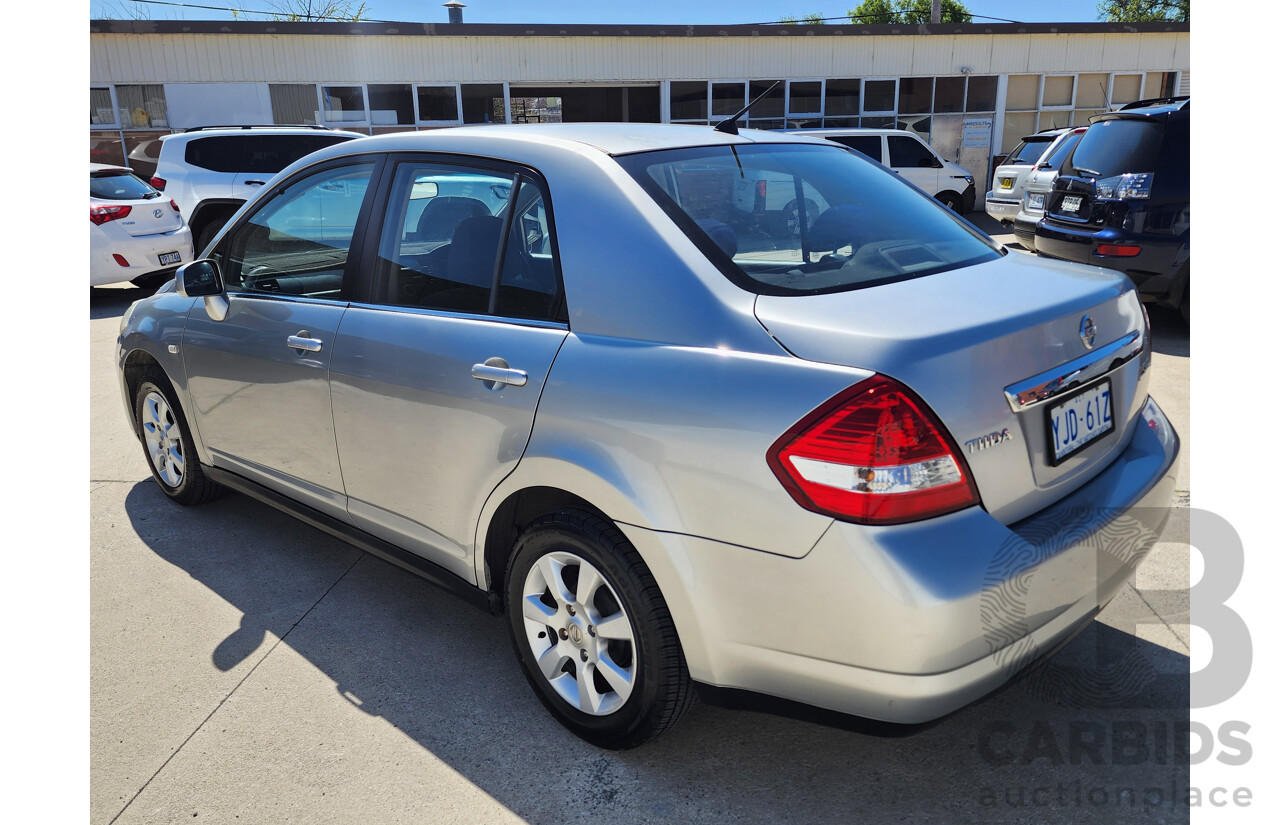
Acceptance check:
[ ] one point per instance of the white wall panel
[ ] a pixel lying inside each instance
(208, 58)
(202, 104)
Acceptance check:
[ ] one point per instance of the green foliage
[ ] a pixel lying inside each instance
(1144, 11)
(907, 11)
(301, 10)
(814, 19)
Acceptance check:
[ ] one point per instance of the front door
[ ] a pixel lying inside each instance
(259, 379)
(437, 377)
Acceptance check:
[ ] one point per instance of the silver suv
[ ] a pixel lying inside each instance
(211, 171)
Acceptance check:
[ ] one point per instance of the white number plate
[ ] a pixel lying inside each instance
(1079, 420)
(170, 258)
(1071, 203)
(1035, 200)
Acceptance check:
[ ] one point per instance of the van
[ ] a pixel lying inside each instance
(910, 157)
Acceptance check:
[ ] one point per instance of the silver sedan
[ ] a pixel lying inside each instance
(587, 376)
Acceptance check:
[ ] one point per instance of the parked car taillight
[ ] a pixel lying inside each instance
(1129, 185)
(159, 183)
(174, 204)
(874, 454)
(101, 214)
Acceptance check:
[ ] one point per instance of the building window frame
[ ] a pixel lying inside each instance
(862, 103)
(457, 98)
(363, 123)
(822, 98)
(110, 89)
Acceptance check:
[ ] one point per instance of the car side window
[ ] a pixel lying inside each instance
(529, 287)
(908, 153)
(441, 236)
(298, 243)
(868, 145)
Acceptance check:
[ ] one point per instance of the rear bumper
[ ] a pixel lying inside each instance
(906, 624)
(142, 252)
(1002, 210)
(1025, 230)
(1151, 270)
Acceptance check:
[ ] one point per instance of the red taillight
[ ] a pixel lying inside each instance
(174, 204)
(101, 214)
(159, 183)
(874, 454)
(120, 259)
(1118, 250)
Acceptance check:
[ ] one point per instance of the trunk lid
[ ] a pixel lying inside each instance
(967, 339)
(150, 217)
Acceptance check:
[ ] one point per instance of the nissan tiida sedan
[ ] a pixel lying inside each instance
(871, 465)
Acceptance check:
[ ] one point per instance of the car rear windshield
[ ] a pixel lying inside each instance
(118, 186)
(1054, 159)
(796, 219)
(1116, 147)
(1029, 150)
(261, 154)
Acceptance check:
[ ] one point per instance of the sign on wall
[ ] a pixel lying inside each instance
(977, 132)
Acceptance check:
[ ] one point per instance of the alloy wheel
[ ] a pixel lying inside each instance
(163, 438)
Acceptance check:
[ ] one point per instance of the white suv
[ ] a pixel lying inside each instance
(909, 156)
(1005, 198)
(211, 171)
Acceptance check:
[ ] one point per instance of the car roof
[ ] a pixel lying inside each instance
(845, 131)
(610, 138)
(220, 131)
(1162, 110)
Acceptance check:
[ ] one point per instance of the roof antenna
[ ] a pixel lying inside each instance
(730, 124)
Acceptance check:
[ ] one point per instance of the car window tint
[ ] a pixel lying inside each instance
(868, 145)
(1116, 147)
(1054, 159)
(908, 153)
(268, 154)
(440, 237)
(529, 287)
(1028, 151)
(222, 153)
(118, 186)
(827, 220)
(297, 244)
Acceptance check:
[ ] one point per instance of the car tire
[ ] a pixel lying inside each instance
(172, 458)
(791, 215)
(950, 200)
(209, 230)
(608, 666)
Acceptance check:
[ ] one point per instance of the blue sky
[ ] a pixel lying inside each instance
(586, 11)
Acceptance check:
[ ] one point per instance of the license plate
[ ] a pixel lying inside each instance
(170, 258)
(1071, 203)
(1035, 200)
(1006, 183)
(1079, 420)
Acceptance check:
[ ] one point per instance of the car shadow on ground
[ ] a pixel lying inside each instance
(1049, 748)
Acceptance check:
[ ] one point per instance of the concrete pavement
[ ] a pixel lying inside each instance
(247, 668)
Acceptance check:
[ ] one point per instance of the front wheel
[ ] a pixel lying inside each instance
(950, 200)
(791, 215)
(166, 440)
(592, 632)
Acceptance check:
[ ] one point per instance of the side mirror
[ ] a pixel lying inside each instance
(203, 279)
(933, 162)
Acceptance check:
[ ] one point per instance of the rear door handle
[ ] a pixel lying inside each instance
(255, 183)
(494, 375)
(304, 341)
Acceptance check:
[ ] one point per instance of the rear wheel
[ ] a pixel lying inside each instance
(166, 440)
(592, 632)
(791, 214)
(210, 229)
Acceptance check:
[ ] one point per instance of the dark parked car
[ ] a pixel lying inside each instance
(1123, 199)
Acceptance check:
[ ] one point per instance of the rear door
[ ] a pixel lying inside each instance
(870, 145)
(259, 379)
(437, 374)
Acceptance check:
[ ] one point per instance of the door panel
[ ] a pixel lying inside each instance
(262, 406)
(422, 441)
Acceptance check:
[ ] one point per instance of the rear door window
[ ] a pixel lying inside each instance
(222, 153)
(1028, 151)
(268, 154)
(1117, 147)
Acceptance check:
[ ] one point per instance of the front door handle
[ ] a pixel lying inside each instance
(255, 183)
(303, 341)
(494, 375)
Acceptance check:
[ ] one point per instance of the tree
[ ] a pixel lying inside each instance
(814, 19)
(304, 10)
(907, 11)
(1143, 11)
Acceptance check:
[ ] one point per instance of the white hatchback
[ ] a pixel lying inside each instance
(133, 229)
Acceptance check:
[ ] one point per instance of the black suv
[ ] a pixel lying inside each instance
(1123, 199)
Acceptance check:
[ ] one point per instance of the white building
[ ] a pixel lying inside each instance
(972, 89)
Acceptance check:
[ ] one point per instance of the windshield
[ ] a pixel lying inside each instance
(119, 186)
(1028, 151)
(797, 219)
(1117, 147)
